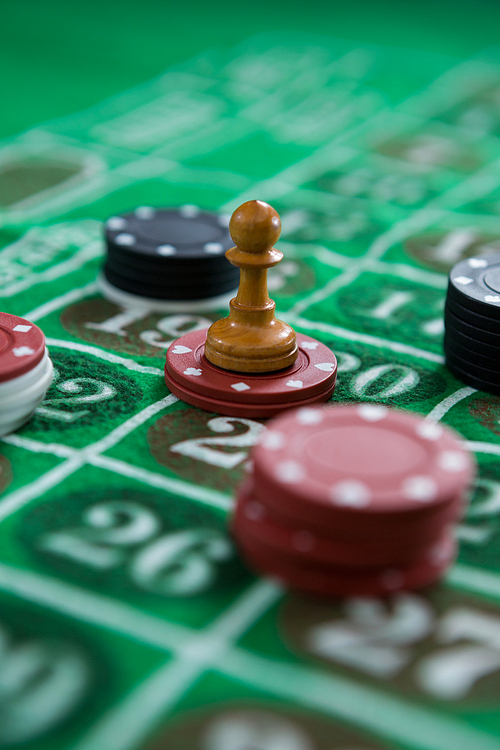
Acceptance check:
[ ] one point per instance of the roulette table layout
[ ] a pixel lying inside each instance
(128, 620)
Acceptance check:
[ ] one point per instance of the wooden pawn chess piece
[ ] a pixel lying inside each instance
(251, 339)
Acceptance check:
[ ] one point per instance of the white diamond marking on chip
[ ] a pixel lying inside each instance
(22, 328)
(22, 351)
(303, 541)
(240, 387)
(193, 371)
(309, 344)
(421, 488)
(272, 440)
(189, 212)
(180, 349)
(440, 552)
(125, 239)
(254, 511)
(492, 298)
(351, 493)
(477, 262)
(326, 366)
(144, 212)
(436, 553)
(295, 384)
(372, 412)
(429, 430)
(453, 461)
(464, 280)
(224, 219)
(166, 250)
(310, 416)
(213, 247)
(116, 223)
(290, 472)
(392, 579)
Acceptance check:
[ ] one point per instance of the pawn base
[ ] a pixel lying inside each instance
(192, 378)
(248, 364)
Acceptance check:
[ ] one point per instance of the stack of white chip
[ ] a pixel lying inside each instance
(25, 371)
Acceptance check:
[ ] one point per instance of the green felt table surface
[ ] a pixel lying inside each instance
(127, 621)
(57, 57)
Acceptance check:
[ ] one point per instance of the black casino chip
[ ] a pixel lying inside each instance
(472, 322)
(170, 254)
(483, 322)
(471, 366)
(481, 336)
(169, 278)
(489, 357)
(470, 379)
(474, 284)
(478, 377)
(178, 292)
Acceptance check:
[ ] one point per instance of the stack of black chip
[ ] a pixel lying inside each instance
(472, 322)
(169, 254)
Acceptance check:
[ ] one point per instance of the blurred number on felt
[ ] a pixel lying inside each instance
(120, 533)
(379, 642)
(211, 449)
(41, 682)
(254, 732)
(75, 391)
(170, 326)
(364, 384)
(395, 301)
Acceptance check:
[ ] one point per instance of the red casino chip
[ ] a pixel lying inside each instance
(360, 467)
(394, 530)
(22, 346)
(334, 581)
(252, 520)
(191, 377)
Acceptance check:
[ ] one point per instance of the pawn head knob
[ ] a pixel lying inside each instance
(255, 226)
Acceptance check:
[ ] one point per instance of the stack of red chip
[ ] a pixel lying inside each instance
(353, 500)
(25, 371)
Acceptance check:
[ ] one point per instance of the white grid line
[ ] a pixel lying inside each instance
(388, 716)
(129, 364)
(92, 608)
(474, 579)
(210, 648)
(362, 338)
(175, 486)
(68, 298)
(78, 457)
(444, 406)
(17, 499)
(132, 719)
(478, 447)
(92, 454)
(129, 722)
